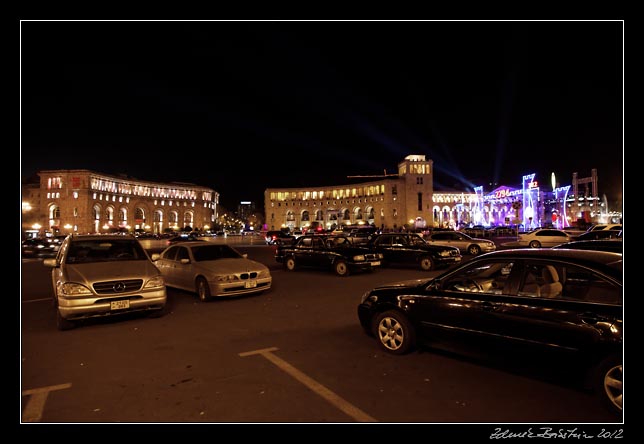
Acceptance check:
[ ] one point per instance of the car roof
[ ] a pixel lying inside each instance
(609, 262)
(590, 243)
(102, 236)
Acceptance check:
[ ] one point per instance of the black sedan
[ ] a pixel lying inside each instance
(564, 302)
(410, 248)
(331, 252)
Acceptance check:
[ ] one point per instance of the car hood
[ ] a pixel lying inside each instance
(412, 283)
(232, 265)
(110, 271)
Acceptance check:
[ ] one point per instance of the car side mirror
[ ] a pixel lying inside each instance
(185, 261)
(51, 263)
(155, 257)
(245, 255)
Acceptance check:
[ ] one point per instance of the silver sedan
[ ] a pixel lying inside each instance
(466, 244)
(211, 270)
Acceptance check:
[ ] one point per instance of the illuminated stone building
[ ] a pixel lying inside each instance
(392, 201)
(84, 201)
(408, 200)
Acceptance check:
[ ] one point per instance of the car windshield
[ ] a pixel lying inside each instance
(416, 240)
(88, 251)
(214, 252)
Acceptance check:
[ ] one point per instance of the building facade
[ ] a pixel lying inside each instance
(84, 201)
(407, 200)
(395, 201)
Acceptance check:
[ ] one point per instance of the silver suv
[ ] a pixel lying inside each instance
(103, 275)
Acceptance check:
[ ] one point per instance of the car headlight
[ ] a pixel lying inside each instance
(367, 295)
(155, 282)
(358, 258)
(225, 278)
(445, 253)
(72, 289)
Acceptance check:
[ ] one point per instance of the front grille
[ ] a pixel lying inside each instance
(116, 287)
(251, 275)
(370, 257)
(454, 253)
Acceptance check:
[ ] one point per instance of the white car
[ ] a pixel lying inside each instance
(542, 237)
(211, 270)
(466, 244)
(614, 227)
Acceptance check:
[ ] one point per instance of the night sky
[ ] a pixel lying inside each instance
(241, 106)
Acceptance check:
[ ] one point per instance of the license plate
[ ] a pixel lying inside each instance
(119, 305)
(250, 284)
(375, 264)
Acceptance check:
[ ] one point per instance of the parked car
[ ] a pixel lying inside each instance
(544, 302)
(542, 237)
(101, 275)
(599, 234)
(476, 231)
(327, 251)
(361, 235)
(411, 248)
(465, 243)
(211, 270)
(277, 237)
(183, 237)
(617, 227)
(614, 245)
(38, 247)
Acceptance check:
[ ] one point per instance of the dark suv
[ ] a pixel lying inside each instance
(410, 248)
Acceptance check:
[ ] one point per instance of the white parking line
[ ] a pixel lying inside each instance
(37, 300)
(37, 398)
(315, 386)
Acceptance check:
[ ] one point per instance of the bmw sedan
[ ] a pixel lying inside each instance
(542, 237)
(547, 302)
(466, 244)
(211, 270)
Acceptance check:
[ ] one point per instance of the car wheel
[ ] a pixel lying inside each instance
(394, 332)
(341, 268)
(609, 383)
(203, 289)
(426, 263)
(535, 244)
(474, 250)
(62, 323)
(290, 264)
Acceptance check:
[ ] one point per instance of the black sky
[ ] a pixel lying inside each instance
(241, 106)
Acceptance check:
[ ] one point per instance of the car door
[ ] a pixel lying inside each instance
(454, 305)
(303, 251)
(382, 245)
(444, 238)
(319, 254)
(550, 238)
(580, 315)
(184, 272)
(166, 265)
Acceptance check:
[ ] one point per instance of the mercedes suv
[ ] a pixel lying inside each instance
(104, 275)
